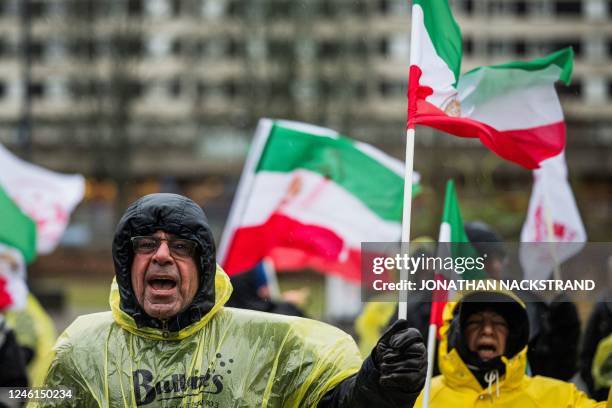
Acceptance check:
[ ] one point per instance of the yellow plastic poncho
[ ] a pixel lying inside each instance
(457, 386)
(371, 324)
(602, 363)
(230, 358)
(34, 328)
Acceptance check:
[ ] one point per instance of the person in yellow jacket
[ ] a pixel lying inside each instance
(482, 358)
(170, 342)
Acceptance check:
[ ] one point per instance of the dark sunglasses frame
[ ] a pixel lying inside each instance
(188, 249)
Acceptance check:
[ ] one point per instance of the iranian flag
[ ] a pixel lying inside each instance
(13, 288)
(17, 230)
(32, 195)
(552, 220)
(512, 108)
(308, 198)
(452, 232)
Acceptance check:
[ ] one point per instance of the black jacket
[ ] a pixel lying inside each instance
(245, 296)
(13, 368)
(598, 327)
(554, 338)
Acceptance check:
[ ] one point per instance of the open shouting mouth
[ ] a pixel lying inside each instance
(161, 285)
(487, 349)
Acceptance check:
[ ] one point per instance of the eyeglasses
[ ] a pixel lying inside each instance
(477, 322)
(182, 248)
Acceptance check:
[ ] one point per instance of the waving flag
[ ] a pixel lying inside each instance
(17, 230)
(452, 231)
(512, 108)
(13, 288)
(47, 198)
(308, 198)
(552, 217)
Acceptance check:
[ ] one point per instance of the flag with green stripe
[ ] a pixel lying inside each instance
(453, 242)
(17, 230)
(33, 195)
(512, 108)
(308, 197)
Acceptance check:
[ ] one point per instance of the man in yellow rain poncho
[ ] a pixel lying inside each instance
(483, 356)
(169, 341)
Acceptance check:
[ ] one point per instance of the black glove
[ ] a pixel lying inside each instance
(392, 377)
(401, 358)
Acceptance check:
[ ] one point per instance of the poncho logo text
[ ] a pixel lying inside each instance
(177, 387)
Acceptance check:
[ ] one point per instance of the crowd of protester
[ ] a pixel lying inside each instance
(174, 312)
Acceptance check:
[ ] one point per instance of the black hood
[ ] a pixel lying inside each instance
(173, 214)
(518, 329)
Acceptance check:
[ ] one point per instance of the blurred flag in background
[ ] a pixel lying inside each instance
(308, 197)
(46, 198)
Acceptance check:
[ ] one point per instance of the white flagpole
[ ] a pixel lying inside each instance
(431, 353)
(443, 236)
(403, 295)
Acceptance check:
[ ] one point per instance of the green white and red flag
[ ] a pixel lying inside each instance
(512, 108)
(308, 197)
(451, 232)
(35, 204)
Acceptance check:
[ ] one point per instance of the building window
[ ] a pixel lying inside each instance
(575, 44)
(159, 45)
(383, 46)
(279, 9)
(392, 88)
(56, 89)
(37, 90)
(84, 48)
(235, 48)
(360, 90)
(328, 49)
(178, 46)
(468, 46)
(359, 48)
(359, 7)
(541, 8)
(135, 8)
(520, 48)
(213, 9)
(175, 88)
(176, 7)
(498, 48)
(4, 47)
(201, 89)
(230, 89)
(574, 90)
(36, 50)
(464, 6)
(383, 6)
(158, 8)
(568, 8)
(520, 8)
(236, 8)
(37, 9)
